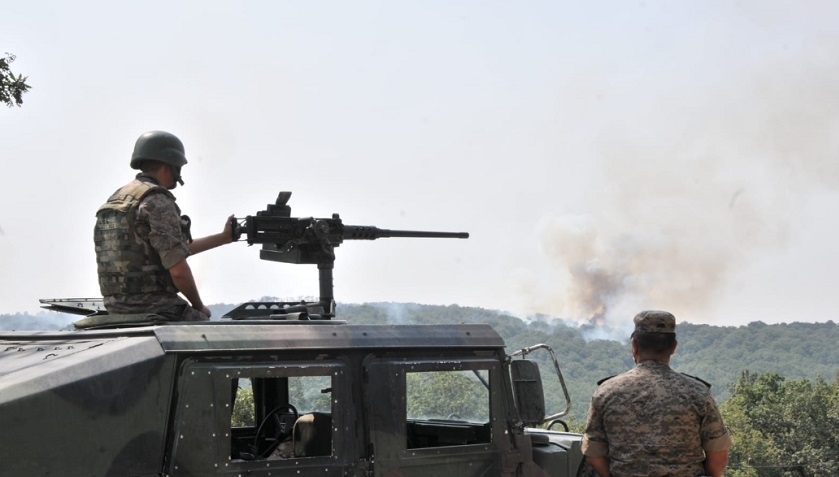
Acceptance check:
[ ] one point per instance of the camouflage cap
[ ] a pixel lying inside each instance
(655, 321)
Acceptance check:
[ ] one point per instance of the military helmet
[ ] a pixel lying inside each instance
(158, 146)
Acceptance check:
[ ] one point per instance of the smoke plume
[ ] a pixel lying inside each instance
(689, 193)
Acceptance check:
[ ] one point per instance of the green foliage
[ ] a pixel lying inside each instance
(307, 393)
(783, 427)
(794, 350)
(12, 86)
(447, 395)
(243, 409)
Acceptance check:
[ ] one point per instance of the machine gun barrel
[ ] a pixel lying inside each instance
(364, 232)
(287, 232)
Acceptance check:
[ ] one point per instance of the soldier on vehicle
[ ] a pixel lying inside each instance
(651, 420)
(142, 241)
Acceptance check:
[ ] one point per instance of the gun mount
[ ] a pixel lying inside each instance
(306, 240)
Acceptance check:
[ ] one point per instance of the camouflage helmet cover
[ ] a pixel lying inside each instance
(655, 321)
(158, 146)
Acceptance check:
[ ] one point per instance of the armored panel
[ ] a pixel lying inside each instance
(440, 416)
(224, 424)
(83, 407)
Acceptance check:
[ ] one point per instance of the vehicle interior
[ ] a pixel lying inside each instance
(281, 417)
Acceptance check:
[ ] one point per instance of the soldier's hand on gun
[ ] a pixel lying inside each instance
(228, 229)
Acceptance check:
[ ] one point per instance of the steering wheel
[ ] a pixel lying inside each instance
(280, 426)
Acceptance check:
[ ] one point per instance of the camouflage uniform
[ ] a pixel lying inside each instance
(654, 422)
(133, 282)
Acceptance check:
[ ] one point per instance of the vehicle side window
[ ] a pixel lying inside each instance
(445, 407)
(307, 393)
(281, 417)
(244, 412)
(448, 395)
(311, 393)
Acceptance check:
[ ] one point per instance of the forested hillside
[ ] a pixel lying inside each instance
(717, 354)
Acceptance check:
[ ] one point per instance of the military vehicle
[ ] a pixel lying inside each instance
(276, 389)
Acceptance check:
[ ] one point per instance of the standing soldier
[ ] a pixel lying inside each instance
(652, 421)
(143, 241)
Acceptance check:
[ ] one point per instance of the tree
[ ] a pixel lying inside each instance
(457, 395)
(783, 428)
(243, 408)
(11, 87)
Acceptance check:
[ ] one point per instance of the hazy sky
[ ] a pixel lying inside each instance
(605, 156)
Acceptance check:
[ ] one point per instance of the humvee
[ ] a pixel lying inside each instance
(275, 389)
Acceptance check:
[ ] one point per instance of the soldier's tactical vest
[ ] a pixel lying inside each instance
(126, 263)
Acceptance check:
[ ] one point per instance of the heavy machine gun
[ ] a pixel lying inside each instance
(305, 241)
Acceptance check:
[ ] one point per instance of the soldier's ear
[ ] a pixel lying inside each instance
(675, 345)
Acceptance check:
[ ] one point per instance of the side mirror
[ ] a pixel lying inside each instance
(528, 392)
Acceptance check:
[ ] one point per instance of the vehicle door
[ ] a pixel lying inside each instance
(261, 418)
(434, 417)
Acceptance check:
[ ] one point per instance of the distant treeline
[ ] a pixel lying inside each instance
(717, 354)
